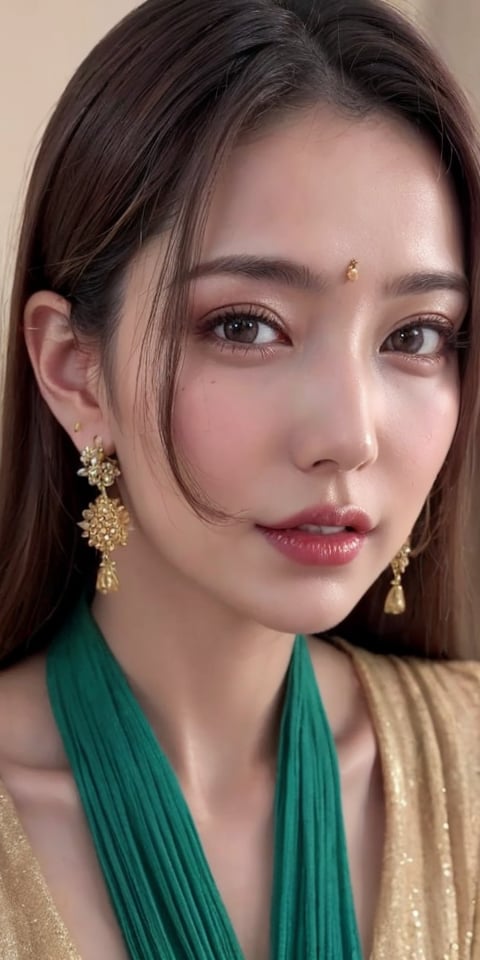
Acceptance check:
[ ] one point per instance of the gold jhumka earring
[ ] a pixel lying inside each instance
(105, 521)
(395, 600)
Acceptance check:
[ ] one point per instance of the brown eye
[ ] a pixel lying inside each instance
(418, 340)
(240, 329)
(245, 329)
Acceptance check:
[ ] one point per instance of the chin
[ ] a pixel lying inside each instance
(307, 604)
(306, 618)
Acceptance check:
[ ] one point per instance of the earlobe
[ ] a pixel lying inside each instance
(67, 372)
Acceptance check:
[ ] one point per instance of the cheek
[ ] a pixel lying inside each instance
(423, 429)
(222, 428)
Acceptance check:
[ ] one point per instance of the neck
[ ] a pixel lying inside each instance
(210, 682)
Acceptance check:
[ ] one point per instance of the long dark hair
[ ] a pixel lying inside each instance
(133, 150)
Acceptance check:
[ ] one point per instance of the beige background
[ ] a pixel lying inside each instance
(41, 44)
(42, 41)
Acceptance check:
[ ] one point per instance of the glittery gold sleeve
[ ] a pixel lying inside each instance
(427, 720)
(30, 927)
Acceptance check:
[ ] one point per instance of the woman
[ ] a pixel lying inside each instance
(238, 533)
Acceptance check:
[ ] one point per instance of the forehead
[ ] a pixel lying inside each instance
(325, 187)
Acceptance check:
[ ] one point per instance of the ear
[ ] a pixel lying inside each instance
(67, 372)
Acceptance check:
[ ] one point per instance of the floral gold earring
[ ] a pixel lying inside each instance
(105, 521)
(395, 600)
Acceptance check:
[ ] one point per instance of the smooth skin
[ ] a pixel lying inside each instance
(333, 402)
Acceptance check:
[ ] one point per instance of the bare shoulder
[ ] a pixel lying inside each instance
(28, 735)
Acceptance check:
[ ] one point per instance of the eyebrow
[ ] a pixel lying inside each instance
(291, 274)
(285, 272)
(428, 281)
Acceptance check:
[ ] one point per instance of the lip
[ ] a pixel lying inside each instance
(326, 516)
(317, 549)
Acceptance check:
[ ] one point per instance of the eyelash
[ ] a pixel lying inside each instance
(453, 340)
(251, 312)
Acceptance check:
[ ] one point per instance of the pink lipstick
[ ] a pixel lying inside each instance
(323, 536)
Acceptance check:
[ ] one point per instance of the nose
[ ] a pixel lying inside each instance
(335, 416)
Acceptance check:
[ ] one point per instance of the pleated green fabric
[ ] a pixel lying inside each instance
(161, 887)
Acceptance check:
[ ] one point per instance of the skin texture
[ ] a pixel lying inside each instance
(336, 413)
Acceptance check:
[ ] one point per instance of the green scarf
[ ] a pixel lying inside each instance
(165, 898)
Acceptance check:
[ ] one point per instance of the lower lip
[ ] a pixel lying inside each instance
(316, 549)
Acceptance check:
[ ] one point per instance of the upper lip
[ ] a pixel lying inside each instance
(326, 516)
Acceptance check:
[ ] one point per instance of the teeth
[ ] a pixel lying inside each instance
(311, 528)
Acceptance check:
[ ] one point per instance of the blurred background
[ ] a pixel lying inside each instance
(42, 41)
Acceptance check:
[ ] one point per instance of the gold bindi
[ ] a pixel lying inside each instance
(352, 270)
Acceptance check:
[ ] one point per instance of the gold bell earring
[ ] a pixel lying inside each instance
(105, 522)
(395, 600)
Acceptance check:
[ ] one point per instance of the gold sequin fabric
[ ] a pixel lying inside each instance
(427, 722)
(426, 717)
(30, 927)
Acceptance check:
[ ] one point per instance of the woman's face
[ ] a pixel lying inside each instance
(302, 392)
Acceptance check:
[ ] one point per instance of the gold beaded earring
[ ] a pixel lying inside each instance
(105, 521)
(395, 600)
